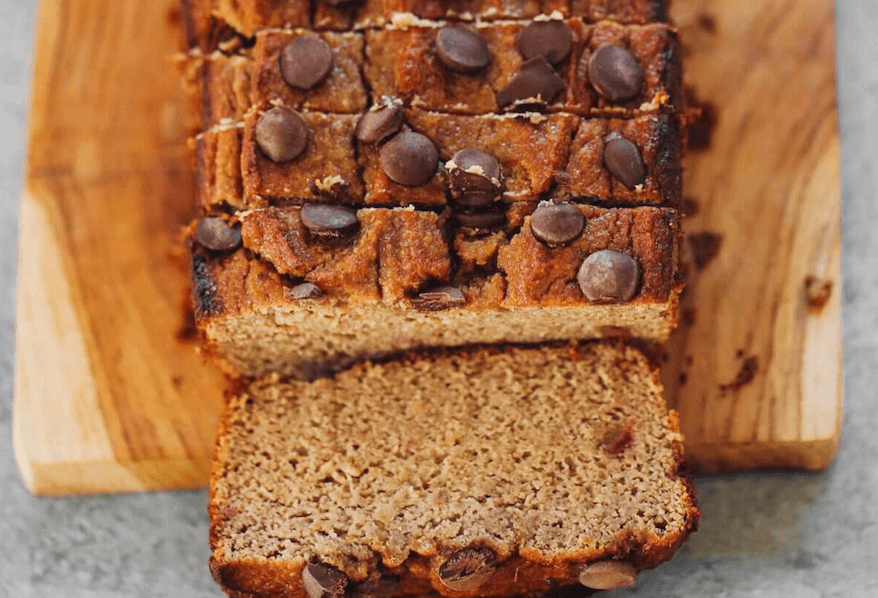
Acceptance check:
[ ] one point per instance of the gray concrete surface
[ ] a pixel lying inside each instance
(803, 536)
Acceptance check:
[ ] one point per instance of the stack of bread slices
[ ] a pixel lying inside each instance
(437, 249)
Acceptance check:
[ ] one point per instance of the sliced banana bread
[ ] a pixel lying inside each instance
(479, 472)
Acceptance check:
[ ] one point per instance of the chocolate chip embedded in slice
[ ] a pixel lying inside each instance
(305, 62)
(323, 581)
(608, 575)
(615, 73)
(217, 235)
(303, 291)
(474, 178)
(468, 569)
(379, 123)
(622, 159)
(609, 276)
(550, 39)
(439, 298)
(328, 220)
(480, 220)
(410, 159)
(462, 50)
(536, 83)
(557, 224)
(282, 134)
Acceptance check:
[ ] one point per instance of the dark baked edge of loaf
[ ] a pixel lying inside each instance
(237, 577)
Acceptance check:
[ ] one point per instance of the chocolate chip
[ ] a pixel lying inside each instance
(623, 160)
(468, 569)
(379, 123)
(480, 220)
(462, 50)
(410, 159)
(474, 178)
(550, 39)
(557, 224)
(439, 298)
(608, 575)
(305, 62)
(216, 234)
(306, 290)
(336, 2)
(328, 220)
(535, 83)
(609, 276)
(282, 134)
(323, 581)
(615, 73)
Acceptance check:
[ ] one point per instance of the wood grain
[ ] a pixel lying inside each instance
(757, 377)
(108, 399)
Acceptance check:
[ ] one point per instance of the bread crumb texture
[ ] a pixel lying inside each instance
(388, 469)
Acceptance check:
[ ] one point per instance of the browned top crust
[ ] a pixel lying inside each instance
(343, 90)
(209, 22)
(403, 63)
(541, 156)
(398, 252)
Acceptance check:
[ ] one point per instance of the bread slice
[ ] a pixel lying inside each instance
(513, 288)
(478, 472)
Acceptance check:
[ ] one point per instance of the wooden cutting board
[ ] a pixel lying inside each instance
(111, 396)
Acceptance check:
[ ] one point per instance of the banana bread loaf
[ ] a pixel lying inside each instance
(417, 183)
(482, 472)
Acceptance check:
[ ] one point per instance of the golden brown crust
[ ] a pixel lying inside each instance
(253, 15)
(656, 48)
(639, 12)
(330, 155)
(564, 159)
(658, 140)
(341, 92)
(539, 275)
(396, 252)
(403, 63)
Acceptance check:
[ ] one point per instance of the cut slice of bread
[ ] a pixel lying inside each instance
(478, 472)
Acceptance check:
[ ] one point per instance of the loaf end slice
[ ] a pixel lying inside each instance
(478, 472)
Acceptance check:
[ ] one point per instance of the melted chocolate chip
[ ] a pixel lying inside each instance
(379, 123)
(439, 298)
(550, 39)
(474, 178)
(609, 276)
(410, 159)
(615, 73)
(468, 569)
(216, 234)
(535, 83)
(282, 134)
(323, 581)
(623, 160)
(462, 50)
(329, 220)
(305, 62)
(608, 575)
(557, 224)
